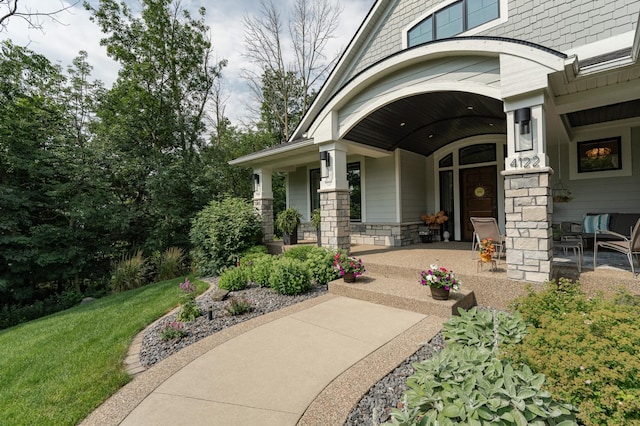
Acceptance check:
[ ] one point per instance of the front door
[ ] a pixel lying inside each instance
(478, 196)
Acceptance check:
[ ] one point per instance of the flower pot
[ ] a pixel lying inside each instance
(319, 238)
(439, 293)
(290, 239)
(486, 257)
(349, 277)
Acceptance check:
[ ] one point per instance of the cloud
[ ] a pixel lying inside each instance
(61, 39)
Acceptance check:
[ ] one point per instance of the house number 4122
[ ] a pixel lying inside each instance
(525, 162)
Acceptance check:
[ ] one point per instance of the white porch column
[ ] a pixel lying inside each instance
(263, 200)
(528, 206)
(334, 197)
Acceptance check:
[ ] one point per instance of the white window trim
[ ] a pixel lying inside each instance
(503, 11)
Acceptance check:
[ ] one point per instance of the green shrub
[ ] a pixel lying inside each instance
(299, 252)
(484, 328)
(261, 270)
(233, 279)
(238, 307)
(221, 232)
(289, 276)
(129, 273)
(320, 265)
(469, 385)
(248, 256)
(589, 353)
(554, 300)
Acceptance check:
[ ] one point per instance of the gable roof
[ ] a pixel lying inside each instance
(336, 77)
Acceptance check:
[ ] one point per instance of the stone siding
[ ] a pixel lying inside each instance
(334, 225)
(264, 206)
(391, 235)
(528, 211)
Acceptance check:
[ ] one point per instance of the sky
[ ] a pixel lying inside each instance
(61, 39)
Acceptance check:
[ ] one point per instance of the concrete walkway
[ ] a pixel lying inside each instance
(272, 371)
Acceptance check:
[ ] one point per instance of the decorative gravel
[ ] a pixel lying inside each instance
(375, 406)
(373, 409)
(262, 300)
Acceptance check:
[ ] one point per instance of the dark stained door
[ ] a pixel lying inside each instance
(478, 196)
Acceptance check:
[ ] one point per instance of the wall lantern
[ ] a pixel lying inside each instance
(256, 178)
(523, 116)
(324, 156)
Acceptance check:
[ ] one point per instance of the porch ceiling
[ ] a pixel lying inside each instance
(426, 122)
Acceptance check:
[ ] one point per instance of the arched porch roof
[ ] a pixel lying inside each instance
(425, 97)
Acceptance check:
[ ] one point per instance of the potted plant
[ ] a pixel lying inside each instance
(288, 221)
(434, 222)
(349, 267)
(486, 249)
(315, 221)
(440, 280)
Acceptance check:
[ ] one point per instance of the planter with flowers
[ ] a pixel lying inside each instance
(486, 250)
(349, 267)
(440, 280)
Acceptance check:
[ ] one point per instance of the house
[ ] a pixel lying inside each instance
(474, 107)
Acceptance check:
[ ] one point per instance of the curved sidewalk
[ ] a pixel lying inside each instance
(307, 364)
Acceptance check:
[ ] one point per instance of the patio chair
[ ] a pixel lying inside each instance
(486, 227)
(627, 245)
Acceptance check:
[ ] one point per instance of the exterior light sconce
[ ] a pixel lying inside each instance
(256, 178)
(523, 117)
(324, 156)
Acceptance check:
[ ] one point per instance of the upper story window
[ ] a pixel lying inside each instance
(453, 19)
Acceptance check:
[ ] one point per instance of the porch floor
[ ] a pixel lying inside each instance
(393, 273)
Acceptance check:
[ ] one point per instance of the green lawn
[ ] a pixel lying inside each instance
(57, 369)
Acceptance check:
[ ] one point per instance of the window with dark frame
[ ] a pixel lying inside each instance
(314, 184)
(452, 20)
(353, 176)
(599, 155)
(354, 179)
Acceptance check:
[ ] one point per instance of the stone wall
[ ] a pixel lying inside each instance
(528, 212)
(392, 235)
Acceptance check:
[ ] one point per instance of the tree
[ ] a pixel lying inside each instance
(11, 8)
(44, 211)
(285, 89)
(152, 122)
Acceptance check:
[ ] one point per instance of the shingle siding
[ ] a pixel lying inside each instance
(560, 25)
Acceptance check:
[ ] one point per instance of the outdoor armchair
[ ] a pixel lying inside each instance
(627, 245)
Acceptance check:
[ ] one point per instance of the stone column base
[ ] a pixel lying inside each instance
(528, 211)
(264, 206)
(335, 221)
